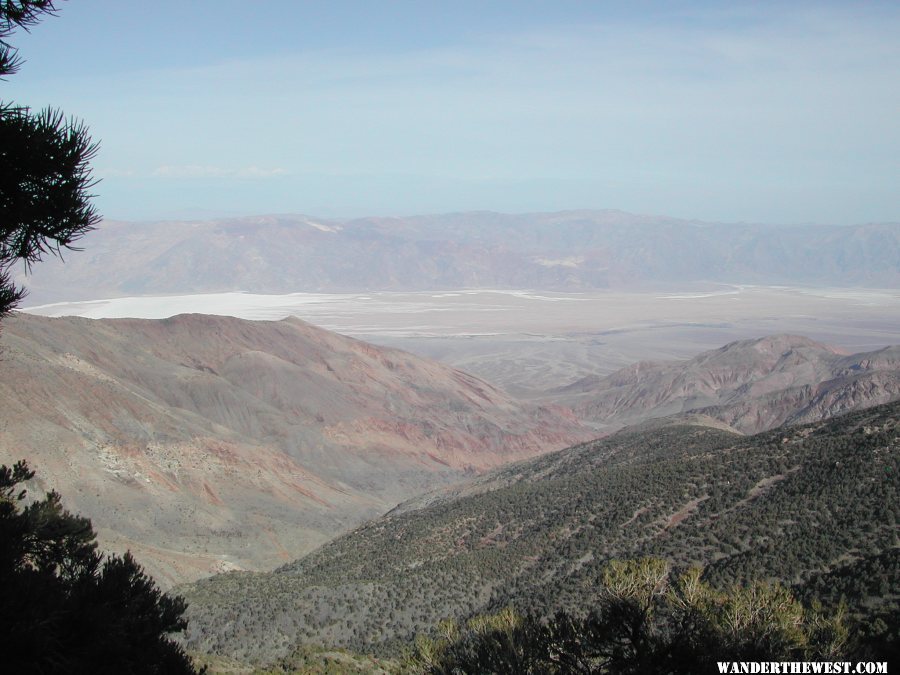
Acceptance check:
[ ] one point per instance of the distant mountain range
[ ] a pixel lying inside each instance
(572, 250)
(205, 443)
(807, 505)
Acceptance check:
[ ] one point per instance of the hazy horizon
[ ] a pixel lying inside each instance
(211, 215)
(750, 112)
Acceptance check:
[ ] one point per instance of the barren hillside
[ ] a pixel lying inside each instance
(206, 443)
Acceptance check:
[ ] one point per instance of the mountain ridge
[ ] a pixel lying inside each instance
(210, 443)
(574, 250)
(751, 385)
(207, 443)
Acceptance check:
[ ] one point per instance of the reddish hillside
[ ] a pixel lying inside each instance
(205, 442)
(751, 385)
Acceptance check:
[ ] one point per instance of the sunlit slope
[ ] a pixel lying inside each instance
(786, 504)
(205, 443)
(750, 385)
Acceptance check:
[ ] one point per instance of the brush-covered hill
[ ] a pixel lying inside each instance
(205, 443)
(796, 504)
(750, 385)
(569, 250)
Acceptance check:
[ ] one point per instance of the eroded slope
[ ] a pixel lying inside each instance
(206, 443)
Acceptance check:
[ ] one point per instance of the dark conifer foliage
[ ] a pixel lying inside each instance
(18, 14)
(63, 608)
(45, 178)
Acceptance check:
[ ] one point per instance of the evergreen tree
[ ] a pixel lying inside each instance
(63, 608)
(45, 177)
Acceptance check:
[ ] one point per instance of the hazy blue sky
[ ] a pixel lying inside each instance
(775, 112)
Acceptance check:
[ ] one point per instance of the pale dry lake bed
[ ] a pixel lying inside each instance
(532, 341)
